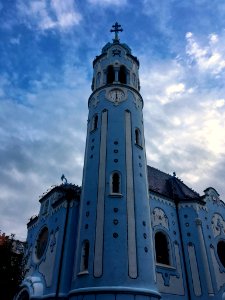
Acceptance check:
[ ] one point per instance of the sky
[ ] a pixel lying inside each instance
(46, 53)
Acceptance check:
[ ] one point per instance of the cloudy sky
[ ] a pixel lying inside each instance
(47, 48)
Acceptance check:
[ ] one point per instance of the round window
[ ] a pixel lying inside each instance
(42, 242)
(221, 252)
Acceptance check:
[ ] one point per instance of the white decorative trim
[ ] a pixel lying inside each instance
(159, 218)
(167, 202)
(197, 207)
(220, 277)
(176, 285)
(94, 102)
(194, 271)
(217, 224)
(137, 102)
(46, 267)
(99, 237)
(204, 258)
(132, 255)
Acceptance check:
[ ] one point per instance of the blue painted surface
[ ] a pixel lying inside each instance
(161, 203)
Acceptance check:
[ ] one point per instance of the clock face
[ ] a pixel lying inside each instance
(116, 95)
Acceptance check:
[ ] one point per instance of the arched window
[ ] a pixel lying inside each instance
(134, 79)
(221, 252)
(138, 140)
(122, 75)
(162, 252)
(115, 183)
(98, 79)
(94, 122)
(110, 74)
(84, 256)
(42, 242)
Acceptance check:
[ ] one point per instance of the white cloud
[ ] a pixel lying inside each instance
(175, 89)
(219, 103)
(49, 15)
(165, 81)
(184, 123)
(213, 103)
(209, 57)
(213, 38)
(65, 12)
(108, 2)
(41, 137)
(15, 41)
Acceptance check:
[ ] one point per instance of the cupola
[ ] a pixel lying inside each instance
(115, 65)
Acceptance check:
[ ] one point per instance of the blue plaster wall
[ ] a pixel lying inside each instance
(54, 220)
(187, 225)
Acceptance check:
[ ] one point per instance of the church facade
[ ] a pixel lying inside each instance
(132, 231)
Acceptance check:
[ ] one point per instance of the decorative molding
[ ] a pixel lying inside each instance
(194, 270)
(137, 102)
(131, 240)
(170, 280)
(219, 276)
(204, 258)
(159, 218)
(98, 259)
(163, 200)
(197, 207)
(46, 267)
(218, 225)
(94, 101)
(55, 210)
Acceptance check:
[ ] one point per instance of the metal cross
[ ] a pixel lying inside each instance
(116, 29)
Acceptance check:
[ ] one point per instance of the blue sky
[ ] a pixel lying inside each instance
(47, 48)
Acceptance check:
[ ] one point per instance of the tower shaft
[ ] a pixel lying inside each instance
(114, 247)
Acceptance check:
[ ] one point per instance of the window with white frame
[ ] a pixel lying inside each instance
(84, 256)
(116, 183)
(94, 124)
(221, 251)
(162, 248)
(138, 139)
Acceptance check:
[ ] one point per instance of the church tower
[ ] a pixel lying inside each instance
(114, 257)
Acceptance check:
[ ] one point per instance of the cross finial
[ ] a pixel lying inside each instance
(116, 29)
(63, 178)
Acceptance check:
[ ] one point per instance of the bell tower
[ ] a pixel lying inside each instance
(114, 257)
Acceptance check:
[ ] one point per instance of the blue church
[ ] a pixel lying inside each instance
(131, 232)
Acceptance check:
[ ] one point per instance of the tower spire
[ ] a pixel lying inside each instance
(114, 222)
(116, 28)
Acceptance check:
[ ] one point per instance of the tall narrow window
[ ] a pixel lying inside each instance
(94, 122)
(110, 74)
(221, 252)
(122, 75)
(138, 140)
(98, 79)
(42, 242)
(134, 79)
(84, 257)
(162, 252)
(115, 183)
